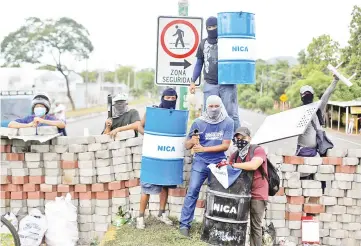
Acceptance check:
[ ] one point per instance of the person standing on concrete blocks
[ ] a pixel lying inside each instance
(307, 143)
(168, 101)
(215, 130)
(207, 56)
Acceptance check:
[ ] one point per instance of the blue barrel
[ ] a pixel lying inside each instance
(163, 146)
(236, 48)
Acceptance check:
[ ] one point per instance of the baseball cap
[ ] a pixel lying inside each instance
(244, 131)
(120, 97)
(306, 88)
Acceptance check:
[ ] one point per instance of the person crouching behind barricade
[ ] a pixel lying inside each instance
(252, 158)
(123, 118)
(215, 131)
(40, 115)
(168, 101)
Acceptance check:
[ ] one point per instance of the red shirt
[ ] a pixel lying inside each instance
(260, 185)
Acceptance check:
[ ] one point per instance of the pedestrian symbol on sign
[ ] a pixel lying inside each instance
(180, 37)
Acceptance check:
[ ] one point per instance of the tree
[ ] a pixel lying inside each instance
(265, 103)
(351, 55)
(301, 57)
(38, 39)
(146, 78)
(319, 53)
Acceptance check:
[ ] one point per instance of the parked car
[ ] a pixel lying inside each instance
(15, 105)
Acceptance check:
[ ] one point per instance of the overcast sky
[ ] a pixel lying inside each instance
(125, 31)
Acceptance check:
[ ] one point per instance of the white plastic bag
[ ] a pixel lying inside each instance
(32, 228)
(61, 215)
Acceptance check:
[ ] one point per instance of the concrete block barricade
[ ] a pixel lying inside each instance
(102, 174)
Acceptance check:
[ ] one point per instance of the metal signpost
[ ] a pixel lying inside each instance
(182, 90)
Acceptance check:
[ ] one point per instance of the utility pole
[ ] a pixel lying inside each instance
(182, 90)
(86, 83)
(261, 90)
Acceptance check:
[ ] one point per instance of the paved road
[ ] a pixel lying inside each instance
(254, 121)
(248, 118)
(95, 125)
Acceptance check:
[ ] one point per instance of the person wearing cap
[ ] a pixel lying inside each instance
(168, 101)
(123, 118)
(215, 132)
(307, 143)
(258, 164)
(207, 57)
(40, 106)
(59, 111)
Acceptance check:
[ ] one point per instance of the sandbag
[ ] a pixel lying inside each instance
(61, 216)
(32, 228)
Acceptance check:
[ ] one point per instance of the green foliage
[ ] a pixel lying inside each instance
(265, 103)
(136, 92)
(146, 79)
(272, 80)
(38, 39)
(352, 53)
(47, 67)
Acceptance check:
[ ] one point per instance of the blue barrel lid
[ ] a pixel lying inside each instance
(235, 12)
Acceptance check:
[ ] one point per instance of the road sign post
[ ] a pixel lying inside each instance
(283, 99)
(178, 40)
(182, 90)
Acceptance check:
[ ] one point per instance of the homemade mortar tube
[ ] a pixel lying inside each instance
(226, 213)
(236, 48)
(163, 146)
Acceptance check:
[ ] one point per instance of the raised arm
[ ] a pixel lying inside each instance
(327, 94)
(141, 125)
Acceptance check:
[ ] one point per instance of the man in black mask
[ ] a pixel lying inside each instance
(306, 143)
(168, 101)
(123, 118)
(207, 58)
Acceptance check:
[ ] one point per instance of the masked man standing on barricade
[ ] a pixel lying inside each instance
(207, 57)
(168, 101)
(215, 129)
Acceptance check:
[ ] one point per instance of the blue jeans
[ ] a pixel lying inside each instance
(228, 94)
(196, 181)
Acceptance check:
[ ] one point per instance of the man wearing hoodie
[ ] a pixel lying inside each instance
(207, 57)
(168, 101)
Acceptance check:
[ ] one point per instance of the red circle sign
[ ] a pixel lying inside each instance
(170, 53)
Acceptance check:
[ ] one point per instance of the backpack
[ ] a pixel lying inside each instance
(272, 177)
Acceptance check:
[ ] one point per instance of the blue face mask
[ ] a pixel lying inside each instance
(39, 112)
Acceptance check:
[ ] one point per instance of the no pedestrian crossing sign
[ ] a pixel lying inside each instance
(177, 43)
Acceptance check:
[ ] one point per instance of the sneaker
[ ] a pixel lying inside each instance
(140, 223)
(164, 218)
(184, 232)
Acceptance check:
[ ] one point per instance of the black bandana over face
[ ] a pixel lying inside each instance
(307, 98)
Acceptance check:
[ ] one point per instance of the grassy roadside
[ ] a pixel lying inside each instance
(102, 108)
(155, 234)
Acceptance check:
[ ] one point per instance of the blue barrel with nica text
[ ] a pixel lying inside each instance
(163, 146)
(236, 48)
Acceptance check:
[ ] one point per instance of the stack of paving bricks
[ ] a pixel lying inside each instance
(338, 210)
(102, 174)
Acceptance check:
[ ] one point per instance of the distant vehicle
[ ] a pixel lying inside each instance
(15, 105)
